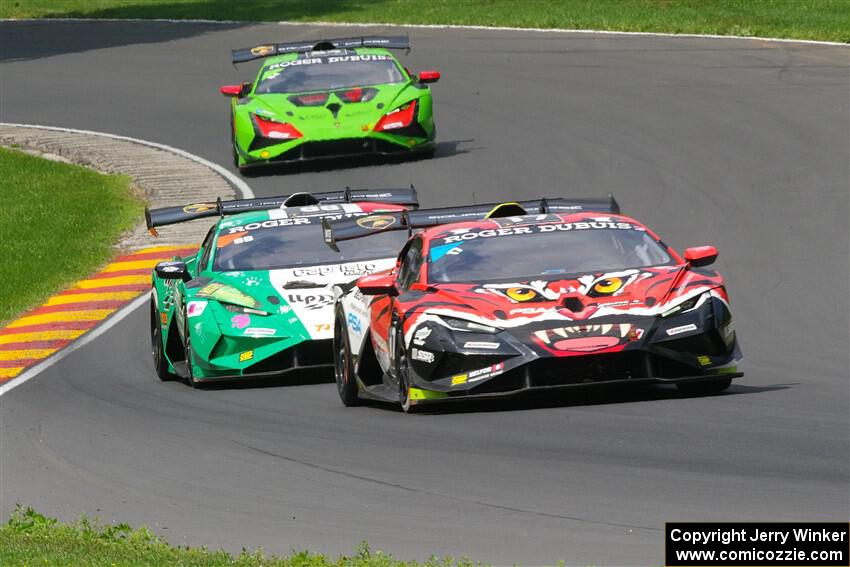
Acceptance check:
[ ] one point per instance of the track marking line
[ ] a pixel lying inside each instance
(29, 343)
(61, 335)
(133, 280)
(64, 299)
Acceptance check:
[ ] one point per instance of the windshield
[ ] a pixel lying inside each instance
(527, 252)
(328, 73)
(272, 248)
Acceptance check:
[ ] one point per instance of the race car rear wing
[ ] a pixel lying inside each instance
(269, 49)
(405, 196)
(348, 229)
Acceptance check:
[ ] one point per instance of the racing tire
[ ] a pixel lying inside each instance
(402, 370)
(704, 388)
(346, 383)
(160, 363)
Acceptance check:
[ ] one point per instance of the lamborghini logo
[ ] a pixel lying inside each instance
(262, 50)
(200, 208)
(376, 222)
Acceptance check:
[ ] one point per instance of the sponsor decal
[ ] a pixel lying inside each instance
(259, 332)
(344, 269)
(200, 208)
(422, 355)
(481, 344)
(227, 294)
(354, 323)
(252, 281)
(285, 309)
(163, 317)
(262, 50)
(376, 222)
(311, 300)
(681, 329)
(246, 356)
(478, 375)
(528, 310)
(296, 63)
(420, 335)
(323, 327)
(704, 360)
(240, 321)
(326, 60)
(195, 308)
(555, 227)
(267, 224)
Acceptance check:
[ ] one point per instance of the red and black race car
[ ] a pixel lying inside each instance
(490, 302)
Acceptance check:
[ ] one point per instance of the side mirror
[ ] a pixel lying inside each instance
(377, 284)
(698, 256)
(231, 90)
(172, 270)
(429, 76)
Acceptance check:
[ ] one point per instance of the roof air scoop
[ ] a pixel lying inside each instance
(503, 210)
(324, 45)
(300, 200)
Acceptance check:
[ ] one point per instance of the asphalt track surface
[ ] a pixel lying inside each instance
(737, 143)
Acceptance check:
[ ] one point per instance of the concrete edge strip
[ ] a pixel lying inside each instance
(436, 26)
(243, 190)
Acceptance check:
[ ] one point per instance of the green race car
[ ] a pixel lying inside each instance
(256, 299)
(329, 99)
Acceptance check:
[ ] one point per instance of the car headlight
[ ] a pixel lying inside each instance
(686, 305)
(456, 324)
(400, 117)
(226, 294)
(233, 308)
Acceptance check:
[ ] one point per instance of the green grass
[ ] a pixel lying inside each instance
(30, 539)
(58, 223)
(800, 19)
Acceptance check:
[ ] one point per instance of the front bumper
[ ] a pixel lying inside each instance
(335, 149)
(530, 372)
(421, 396)
(305, 356)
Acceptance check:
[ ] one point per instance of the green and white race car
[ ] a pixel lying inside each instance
(329, 99)
(256, 299)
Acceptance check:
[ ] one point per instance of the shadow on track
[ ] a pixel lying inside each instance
(307, 10)
(444, 150)
(292, 378)
(16, 42)
(593, 395)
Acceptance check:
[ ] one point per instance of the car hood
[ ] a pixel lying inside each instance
(631, 292)
(335, 115)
